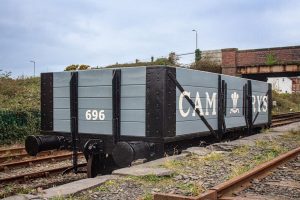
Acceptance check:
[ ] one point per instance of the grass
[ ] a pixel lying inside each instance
(147, 196)
(191, 188)
(293, 135)
(20, 94)
(268, 150)
(11, 189)
(151, 180)
(286, 102)
(212, 157)
(241, 151)
(105, 187)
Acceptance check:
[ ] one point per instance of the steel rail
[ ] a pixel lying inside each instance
(12, 150)
(35, 175)
(7, 158)
(226, 190)
(30, 162)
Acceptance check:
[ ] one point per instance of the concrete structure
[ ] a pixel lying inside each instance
(262, 63)
(281, 84)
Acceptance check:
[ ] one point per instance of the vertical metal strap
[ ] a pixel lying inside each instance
(74, 117)
(116, 101)
(249, 105)
(270, 104)
(222, 104)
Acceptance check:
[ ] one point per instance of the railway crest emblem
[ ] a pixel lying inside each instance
(234, 97)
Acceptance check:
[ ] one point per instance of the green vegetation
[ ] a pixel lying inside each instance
(269, 150)
(147, 196)
(241, 151)
(21, 94)
(171, 60)
(77, 67)
(197, 55)
(105, 187)
(207, 64)
(19, 108)
(11, 189)
(191, 188)
(286, 102)
(271, 59)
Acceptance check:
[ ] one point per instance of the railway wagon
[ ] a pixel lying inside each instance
(118, 115)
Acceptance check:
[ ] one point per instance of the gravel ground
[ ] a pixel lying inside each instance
(283, 183)
(195, 174)
(35, 185)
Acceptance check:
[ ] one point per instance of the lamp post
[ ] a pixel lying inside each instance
(196, 38)
(33, 67)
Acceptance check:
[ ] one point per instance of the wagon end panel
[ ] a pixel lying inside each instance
(61, 102)
(47, 102)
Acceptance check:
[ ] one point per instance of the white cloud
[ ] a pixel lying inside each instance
(58, 33)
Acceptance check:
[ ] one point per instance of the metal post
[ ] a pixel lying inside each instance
(33, 67)
(196, 38)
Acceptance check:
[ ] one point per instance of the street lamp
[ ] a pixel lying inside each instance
(33, 67)
(196, 38)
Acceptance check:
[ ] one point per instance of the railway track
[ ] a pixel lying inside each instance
(284, 119)
(9, 155)
(34, 175)
(15, 161)
(229, 189)
(12, 150)
(52, 158)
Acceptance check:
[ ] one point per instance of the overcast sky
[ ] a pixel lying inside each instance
(57, 33)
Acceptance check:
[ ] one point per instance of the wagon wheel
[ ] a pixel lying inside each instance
(93, 166)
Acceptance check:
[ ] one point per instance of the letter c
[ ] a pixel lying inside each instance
(182, 95)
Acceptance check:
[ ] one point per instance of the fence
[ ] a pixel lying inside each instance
(16, 125)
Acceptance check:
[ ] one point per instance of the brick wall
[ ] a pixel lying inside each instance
(259, 56)
(232, 58)
(229, 61)
(296, 85)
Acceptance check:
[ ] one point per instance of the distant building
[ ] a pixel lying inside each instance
(296, 84)
(281, 84)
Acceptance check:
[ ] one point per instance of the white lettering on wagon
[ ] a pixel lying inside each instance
(234, 97)
(259, 103)
(95, 115)
(210, 103)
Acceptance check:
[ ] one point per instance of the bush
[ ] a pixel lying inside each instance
(77, 67)
(206, 64)
(19, 108)
(286, 102)
(19, 94)
(16, 125)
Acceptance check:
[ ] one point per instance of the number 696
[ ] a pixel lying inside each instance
(95, 115)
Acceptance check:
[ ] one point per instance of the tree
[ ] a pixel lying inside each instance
(74, 67)
(197, 55)
(172, 58)
(5, 74)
